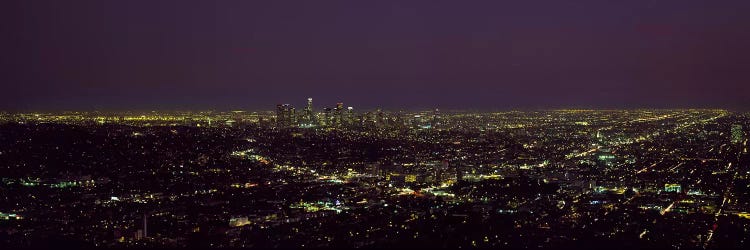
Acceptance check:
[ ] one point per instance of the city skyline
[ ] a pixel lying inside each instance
(304, 103)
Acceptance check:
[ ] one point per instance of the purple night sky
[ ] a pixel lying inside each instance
(491, 55)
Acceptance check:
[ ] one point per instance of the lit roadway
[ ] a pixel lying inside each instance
(727, 192)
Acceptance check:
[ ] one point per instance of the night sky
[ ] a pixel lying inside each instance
(488, 55)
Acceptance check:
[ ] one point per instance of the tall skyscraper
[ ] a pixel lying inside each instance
(292, 116)
(279, 115)
(309, 116)
(338, 113)
(349, 116)
(285, 115)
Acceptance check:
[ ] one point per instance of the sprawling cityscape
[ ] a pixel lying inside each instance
(341, 177)
(375, 124)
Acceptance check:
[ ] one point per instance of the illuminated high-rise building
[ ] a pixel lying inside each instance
(349, 116)
(279, 115)
(309, 115)
(285, 116)
(338, 113)
(292, 116)
(737, 134)
(327, 117)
